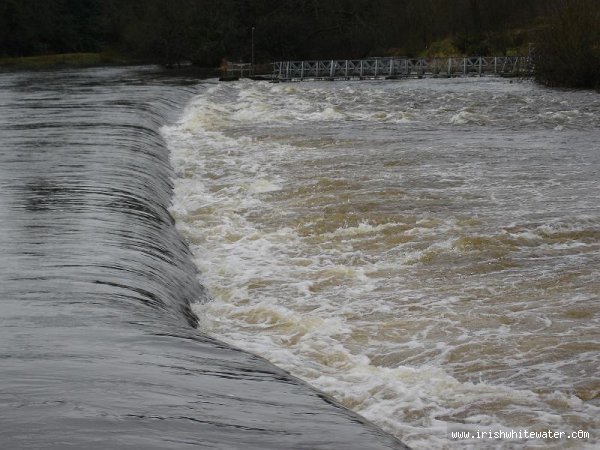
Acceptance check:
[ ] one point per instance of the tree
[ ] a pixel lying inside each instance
(568, 45)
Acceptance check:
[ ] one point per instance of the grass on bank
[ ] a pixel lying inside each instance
(63, 60)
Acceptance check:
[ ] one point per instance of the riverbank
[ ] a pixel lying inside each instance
(104, 59)
(65, 60)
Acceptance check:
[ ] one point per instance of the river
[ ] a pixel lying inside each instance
(425, 251)
(99, 346)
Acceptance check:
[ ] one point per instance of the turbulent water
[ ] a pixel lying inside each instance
(426, 251)
(98, 344)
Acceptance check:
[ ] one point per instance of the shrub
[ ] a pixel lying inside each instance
(567, 50)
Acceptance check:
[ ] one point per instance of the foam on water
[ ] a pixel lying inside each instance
(426, 251)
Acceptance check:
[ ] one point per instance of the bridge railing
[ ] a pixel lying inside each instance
(401, 67)
(239, 69)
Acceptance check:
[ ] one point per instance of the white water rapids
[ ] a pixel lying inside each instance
(426, 251)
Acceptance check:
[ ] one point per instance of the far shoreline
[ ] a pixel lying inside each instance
(62, 61)
(86, 60)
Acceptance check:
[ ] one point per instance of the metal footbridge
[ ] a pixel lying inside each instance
(393, 68)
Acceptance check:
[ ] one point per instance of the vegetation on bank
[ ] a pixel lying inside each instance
(568, 48)
(204, 32)
(61, 60)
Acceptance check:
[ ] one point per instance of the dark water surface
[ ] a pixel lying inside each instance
(98, 347)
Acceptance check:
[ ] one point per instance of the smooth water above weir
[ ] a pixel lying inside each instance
(426, 251)
(98, 344)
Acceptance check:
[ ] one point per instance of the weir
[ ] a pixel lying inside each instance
(393, 68)
(98, 345)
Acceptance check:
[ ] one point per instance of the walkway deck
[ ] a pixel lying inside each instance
(391, 68)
